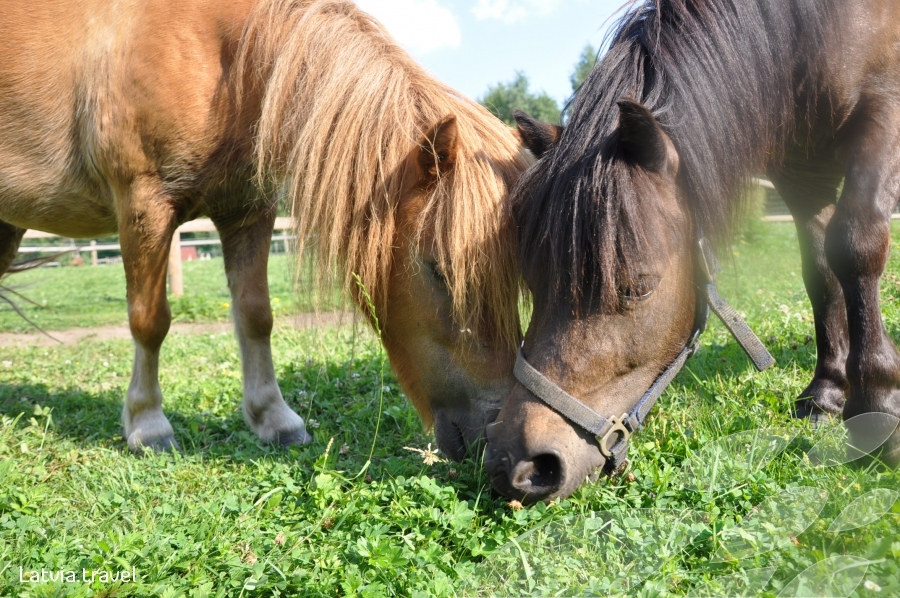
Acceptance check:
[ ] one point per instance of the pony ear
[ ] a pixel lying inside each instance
(539, 137)
(642, 141)
(437, 150)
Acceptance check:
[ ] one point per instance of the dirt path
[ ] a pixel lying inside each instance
(74, 336)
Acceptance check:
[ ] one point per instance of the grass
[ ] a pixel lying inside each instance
(68, 297)
(229, 517)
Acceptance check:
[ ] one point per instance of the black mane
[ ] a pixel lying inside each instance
(724, 78)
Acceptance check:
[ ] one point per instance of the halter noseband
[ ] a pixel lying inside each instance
(612, 433)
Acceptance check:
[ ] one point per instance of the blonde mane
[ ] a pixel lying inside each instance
(343, 109)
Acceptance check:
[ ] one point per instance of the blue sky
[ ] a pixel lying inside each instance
(472, 44)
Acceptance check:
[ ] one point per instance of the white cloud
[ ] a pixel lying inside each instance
(418, 25)
(511, 11)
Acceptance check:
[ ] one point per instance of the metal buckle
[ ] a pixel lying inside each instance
(618, 426)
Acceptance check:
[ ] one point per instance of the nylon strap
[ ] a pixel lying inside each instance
(623, 427)
(583, 416)
(558, 399)
(742, 333)
(642, 409)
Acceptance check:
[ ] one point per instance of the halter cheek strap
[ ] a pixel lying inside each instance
(612, 433)
(735, 324)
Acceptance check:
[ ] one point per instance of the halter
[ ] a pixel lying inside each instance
(612, 433)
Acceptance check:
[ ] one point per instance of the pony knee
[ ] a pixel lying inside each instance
(149, 323)
(858, 247)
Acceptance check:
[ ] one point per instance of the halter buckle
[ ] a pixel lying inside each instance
(618, 427)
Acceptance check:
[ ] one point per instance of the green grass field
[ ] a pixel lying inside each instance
(358, 514)
(67, 297)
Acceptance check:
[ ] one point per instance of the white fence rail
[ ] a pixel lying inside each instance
(176, 278)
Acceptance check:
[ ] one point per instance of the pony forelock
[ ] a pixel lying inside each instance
(724, 80)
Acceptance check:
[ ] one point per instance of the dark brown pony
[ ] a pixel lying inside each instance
(136, 117)
(692, 99)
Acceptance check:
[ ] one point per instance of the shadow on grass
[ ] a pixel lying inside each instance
(729, 360)
(94, 420)
(85, 417)
(340, 399)
(347, 408)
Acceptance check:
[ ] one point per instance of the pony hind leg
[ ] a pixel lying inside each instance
(246, 239)
(10, 238)
(858, 241)
(146, 225)
(810, 194)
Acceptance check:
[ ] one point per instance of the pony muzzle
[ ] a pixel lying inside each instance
(533, 454)
(527, 478)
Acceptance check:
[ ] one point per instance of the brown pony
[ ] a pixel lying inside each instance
(136, 117)
(692, 99)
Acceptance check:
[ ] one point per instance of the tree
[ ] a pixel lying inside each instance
(583, 68)
(503, 98)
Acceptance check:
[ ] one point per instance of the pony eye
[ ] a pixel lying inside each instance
(640, 289)
(437, 273)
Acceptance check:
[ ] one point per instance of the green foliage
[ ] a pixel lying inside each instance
(502, 99)
(583, 67)
(230, 517)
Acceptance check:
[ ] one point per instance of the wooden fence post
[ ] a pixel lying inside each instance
(94, 260)
(176, 280)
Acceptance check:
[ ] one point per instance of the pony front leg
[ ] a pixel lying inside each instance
(858, 241)
(146, 224)
(811, 198)
(245, 244)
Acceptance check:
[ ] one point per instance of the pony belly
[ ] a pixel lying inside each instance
(66, 215)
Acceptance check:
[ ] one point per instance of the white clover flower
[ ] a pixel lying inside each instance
(429, 456)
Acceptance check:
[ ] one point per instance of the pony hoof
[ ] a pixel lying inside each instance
(166, 444)
(807, 409)
(295, 438)
(820, 419)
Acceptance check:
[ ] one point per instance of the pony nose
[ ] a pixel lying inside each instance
(450, 437)
(529, 474)
(538, 477)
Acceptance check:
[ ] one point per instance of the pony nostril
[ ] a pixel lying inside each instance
(542, 475)
(450, 438)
